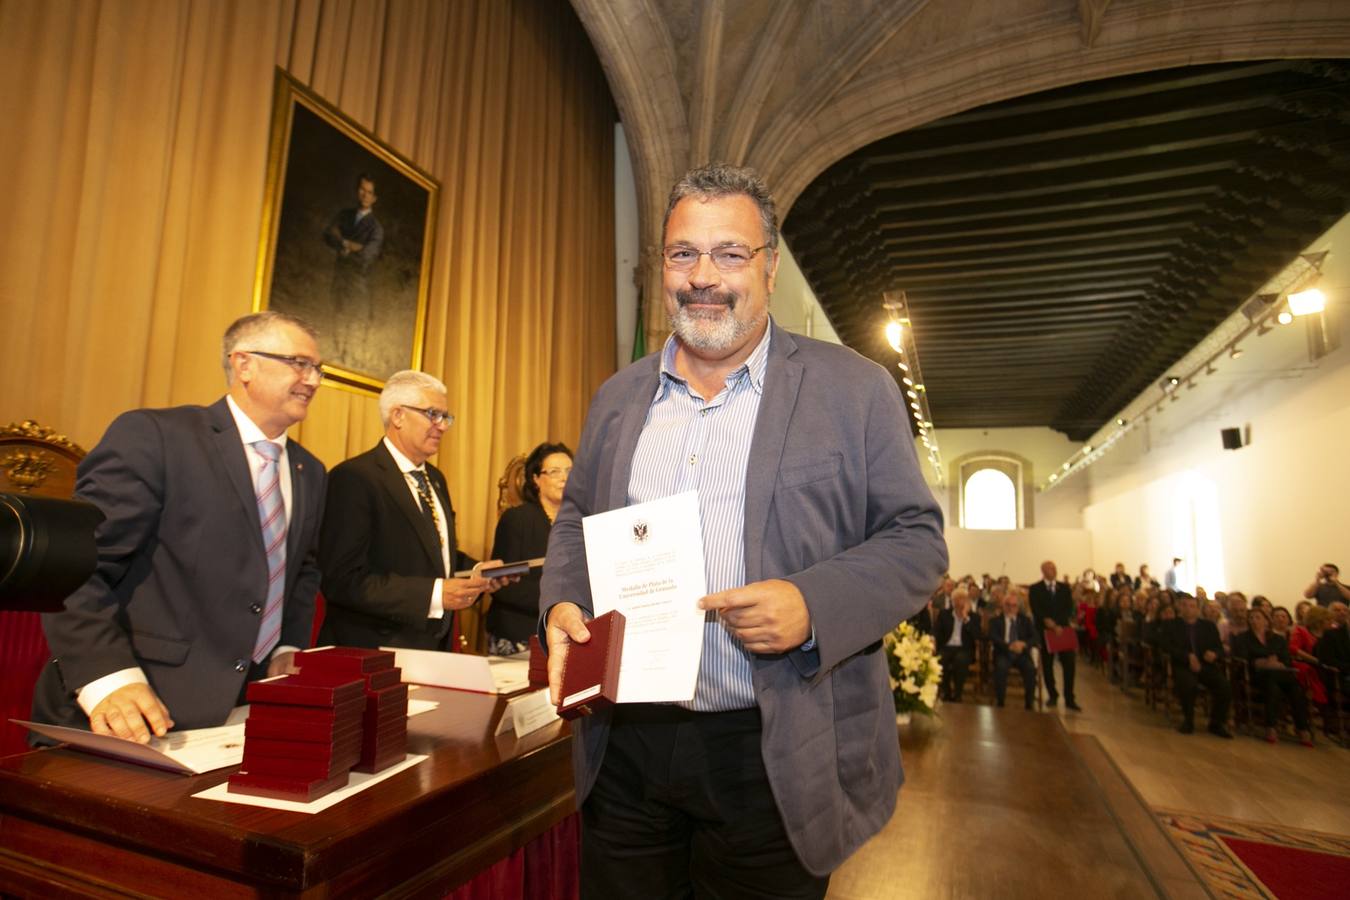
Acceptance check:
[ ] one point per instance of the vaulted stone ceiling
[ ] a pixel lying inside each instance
(1061, 250)
(791, 87)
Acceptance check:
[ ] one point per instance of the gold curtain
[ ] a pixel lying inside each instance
(134, 154)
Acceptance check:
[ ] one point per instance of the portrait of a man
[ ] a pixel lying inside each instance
(351, 222)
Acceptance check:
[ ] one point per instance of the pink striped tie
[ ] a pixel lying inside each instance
(272, 515)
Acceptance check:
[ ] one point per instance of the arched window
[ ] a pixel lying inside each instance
(989, 500)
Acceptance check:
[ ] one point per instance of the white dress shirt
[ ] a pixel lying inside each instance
(436, 610)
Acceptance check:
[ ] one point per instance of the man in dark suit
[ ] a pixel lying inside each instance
(1013, 635)
(1197, 656)
(1052, 609)
(387, 549)
(206, 573)
(957, 635)
(819, 535)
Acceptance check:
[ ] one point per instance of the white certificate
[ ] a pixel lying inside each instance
(646, 561)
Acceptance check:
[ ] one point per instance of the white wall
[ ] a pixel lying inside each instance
(794, 305)
(1262, 518)
(1018, 554)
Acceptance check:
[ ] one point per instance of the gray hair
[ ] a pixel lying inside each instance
(248, 328)
(720, 180)
(403, 388)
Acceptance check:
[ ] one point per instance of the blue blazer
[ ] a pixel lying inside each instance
(182, 571)
(834, 503)
(1023, 630)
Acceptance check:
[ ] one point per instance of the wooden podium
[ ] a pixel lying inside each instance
(71, 823)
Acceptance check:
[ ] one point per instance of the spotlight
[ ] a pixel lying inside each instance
(1285, 317)
(902, 366)
(1053, 476)
(911, 395)
(1234, 352)
(1065, 467)
(907, 382)
(1307, 302)
(893, 334)
(919, 387)
(1120, 422)
(1087, 448)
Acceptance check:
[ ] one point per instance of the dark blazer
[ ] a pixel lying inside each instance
(1333, 649)
(1045, 605)
(1023, 630)
(1246, 646)
(380, 556)
(182, 572)
(522, 533)
(834, 503)
(946, 624)
(1175, 642)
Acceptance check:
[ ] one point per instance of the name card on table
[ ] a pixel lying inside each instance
(527, 713)
(462, 671)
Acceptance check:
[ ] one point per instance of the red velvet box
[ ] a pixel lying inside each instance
(301, 790)
(590, 678)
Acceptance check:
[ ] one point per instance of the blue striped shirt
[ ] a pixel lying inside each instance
(689, 443)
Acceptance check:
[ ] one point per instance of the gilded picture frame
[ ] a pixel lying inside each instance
(347, 237)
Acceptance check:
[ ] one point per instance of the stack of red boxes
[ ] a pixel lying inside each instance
(302, 737)
(384, 734)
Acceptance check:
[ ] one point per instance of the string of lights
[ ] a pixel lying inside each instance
(900, 335)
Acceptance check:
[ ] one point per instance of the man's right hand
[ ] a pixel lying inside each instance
(1195, 662)
(127, 711)
(566, 624)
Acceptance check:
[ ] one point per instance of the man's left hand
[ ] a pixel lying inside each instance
(767, 616)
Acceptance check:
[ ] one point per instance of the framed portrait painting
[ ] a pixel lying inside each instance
(346, 239)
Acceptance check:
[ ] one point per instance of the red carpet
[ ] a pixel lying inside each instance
(1293, 874)
(1261, 861)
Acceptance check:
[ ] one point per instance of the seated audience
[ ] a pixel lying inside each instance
(1340, 614)
(1144, 580)
(1303, 651)
(522, 533)
(1120, 578)
(1281, 622)
(923, 619)
(1272, 673)
(957, 633)
(1301, 611)
(1013, 635)
(1213, 612)
(1197, 656)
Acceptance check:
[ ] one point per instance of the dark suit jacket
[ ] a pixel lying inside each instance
(182, 572)
(522, 533)
(1175, 642)
(946, 624)
(380, 556)
(1023, 630)
(1057, 606)
(836, 504)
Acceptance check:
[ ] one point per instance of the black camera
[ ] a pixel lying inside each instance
(47, 550)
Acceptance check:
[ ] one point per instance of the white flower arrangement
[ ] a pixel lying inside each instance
(915, 670)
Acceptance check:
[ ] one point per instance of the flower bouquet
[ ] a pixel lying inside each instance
(915, 671)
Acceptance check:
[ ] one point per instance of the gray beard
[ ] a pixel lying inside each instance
(712, 334)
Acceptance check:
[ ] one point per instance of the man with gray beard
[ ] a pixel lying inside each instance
(819, 535)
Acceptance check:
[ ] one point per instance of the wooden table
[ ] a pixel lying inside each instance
(76, 824)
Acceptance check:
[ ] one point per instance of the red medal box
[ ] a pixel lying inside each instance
(354, 661)
(318, 689)
(331, 732)
(301, 790)
(349, 713)
(291, 767)
(299, 750)
(590, 678)
(384, 761)
(384, 678)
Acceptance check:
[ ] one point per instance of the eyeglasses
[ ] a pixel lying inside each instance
(434, 416)
(729, 258)
(303, 367)
(557, 472)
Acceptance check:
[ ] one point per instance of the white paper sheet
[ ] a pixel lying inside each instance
(189, 752)
(646, 561)
(358, 783)
(463, 671)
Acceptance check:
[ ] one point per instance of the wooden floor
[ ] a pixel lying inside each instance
(1001, 802)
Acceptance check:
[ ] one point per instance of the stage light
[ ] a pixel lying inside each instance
(893, 335)
(1305, 303)
(1087, 448)
(1170, 382)
(1234, 352)
(911, 395)
(919, 387)
(907, 382)
(1285, 317)
(1120, 422)
(902, 366)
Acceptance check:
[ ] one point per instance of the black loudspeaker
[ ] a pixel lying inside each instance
(1232, 438)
